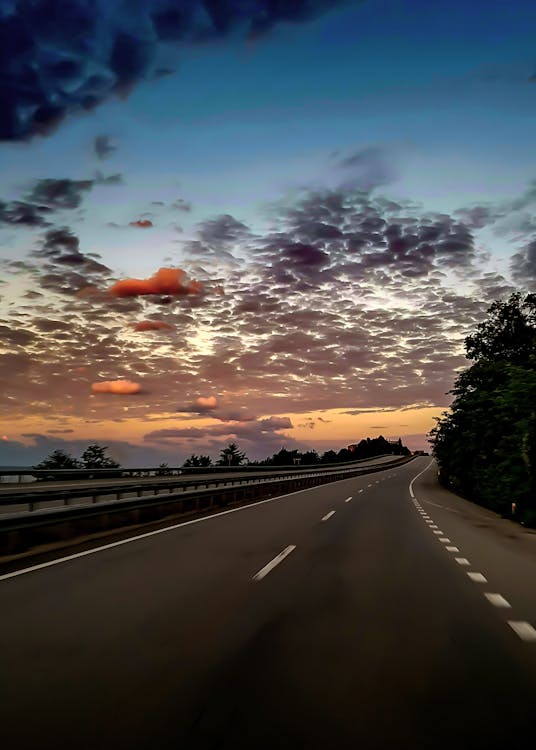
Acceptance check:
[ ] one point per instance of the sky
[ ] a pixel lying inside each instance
(268, 222)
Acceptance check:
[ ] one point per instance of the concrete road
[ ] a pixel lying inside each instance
(336, 617)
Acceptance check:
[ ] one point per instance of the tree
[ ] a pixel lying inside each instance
(508, 334)
(59, 459)
(94, 458)
(486, 444)
(231, 456)
(197, 461)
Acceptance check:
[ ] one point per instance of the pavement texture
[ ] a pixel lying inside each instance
(334, 617)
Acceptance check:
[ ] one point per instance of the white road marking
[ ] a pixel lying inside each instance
(271, 565)
(437, 532)
(433, 526)
(452, 549)
(369, 485)
(523, 629)
(347, 499)
(497, 600)
(328, 515)
(445, 540)
(462, 561)
(145, 535)
(360, 490)
(477, 577)
(416, 477)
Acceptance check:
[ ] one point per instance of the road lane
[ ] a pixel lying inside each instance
(368, 634)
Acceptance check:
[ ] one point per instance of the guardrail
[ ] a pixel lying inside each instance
(96, 493)
(168, 471)
(23, 531)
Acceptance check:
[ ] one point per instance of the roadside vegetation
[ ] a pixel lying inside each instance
(485, 445)
(94, 457)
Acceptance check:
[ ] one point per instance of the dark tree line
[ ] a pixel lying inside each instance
(486, 444)
(94, 457)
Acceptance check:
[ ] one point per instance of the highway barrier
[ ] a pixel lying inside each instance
(61, 524)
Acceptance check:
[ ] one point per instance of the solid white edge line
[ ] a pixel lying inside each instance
(146, 535)
(416, 477)
(497, 600)
(328, 515)
(271, 565)
(523, 629)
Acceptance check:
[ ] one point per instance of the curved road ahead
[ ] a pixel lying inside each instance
(345, 616)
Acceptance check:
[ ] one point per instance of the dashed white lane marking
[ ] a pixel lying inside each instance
(271, 565)
(369, 485)
(477, 577)
(347, 499)
(523, 629)
(328, 515)
(497, 600)
(462, 561)
(452, 549)
(360, 490)
(438, 532)
(445, 540)
(434, 526)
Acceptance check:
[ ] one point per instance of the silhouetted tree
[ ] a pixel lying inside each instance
(486, 444)
(197, 461)
(94, 457)
(231, 456)
(59, 459)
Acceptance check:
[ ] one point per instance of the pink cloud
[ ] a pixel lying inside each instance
(170, 281)
(151, 325)
(122, 387)
(207, 402)
(142, 223)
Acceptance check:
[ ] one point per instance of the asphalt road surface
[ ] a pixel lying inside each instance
(345, 616)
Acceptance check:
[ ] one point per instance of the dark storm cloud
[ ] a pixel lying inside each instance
(23, 213)
(103, 146)
(524, 265)
(59, 194)
(58, 57)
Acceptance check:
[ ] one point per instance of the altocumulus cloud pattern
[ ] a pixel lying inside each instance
(59, 57)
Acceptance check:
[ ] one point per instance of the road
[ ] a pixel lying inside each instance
(334, 617)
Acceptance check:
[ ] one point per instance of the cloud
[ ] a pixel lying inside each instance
(151, 325)
(50, 70)
(103, 146)
(368, 168)
(142, 223)
(206, 402)
(23, 213)
(201, 405)
(524, 265)
(170, 281)
(59, 194)
(122, 387)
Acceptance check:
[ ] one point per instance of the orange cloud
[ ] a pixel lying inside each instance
(151, 325)
(170, 281)
(207, 402)
(142, 223)
(123, 387)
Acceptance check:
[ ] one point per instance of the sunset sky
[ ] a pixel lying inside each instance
(267, 222)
